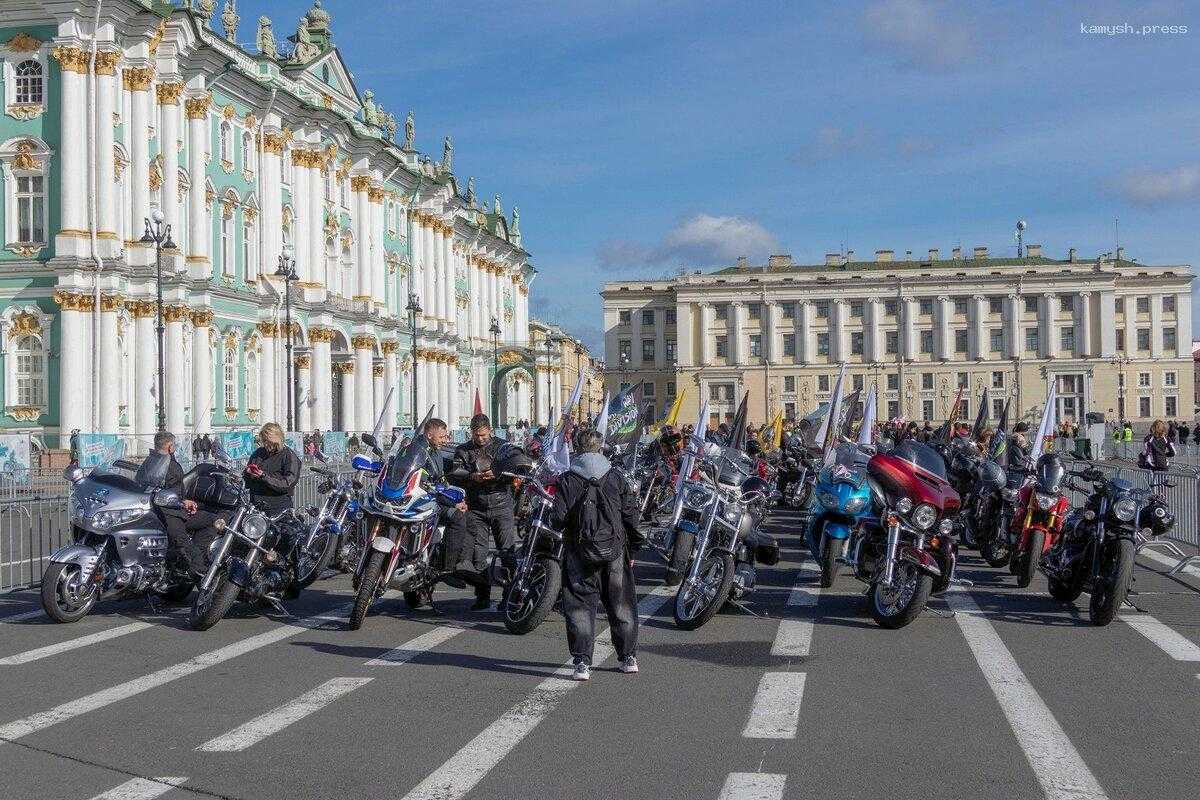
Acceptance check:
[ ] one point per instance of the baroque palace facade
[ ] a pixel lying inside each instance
(246, 155)
(1115, 334)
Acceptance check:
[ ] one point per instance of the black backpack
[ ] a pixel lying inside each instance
(597, 535)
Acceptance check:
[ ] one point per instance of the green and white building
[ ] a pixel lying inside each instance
(246, 155)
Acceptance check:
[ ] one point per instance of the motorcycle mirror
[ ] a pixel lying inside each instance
(369, 440)
(73, 473)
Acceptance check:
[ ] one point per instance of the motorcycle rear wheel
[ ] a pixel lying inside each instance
(59, 599)
(1112, 586)
(542, 589)
(210, 607)
(1029, 562)
(915, 587)
(366, 590)
(696, 605)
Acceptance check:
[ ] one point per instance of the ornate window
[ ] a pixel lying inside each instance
(227, 265)
(25, 362)
(229, 378)
(252, 400)
(247, 152)
(30, 86)
(226, 145)
(248, 248)
(31, 371)
(25, 163)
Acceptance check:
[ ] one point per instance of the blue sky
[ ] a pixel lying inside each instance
(638, 137)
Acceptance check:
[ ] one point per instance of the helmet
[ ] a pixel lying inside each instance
(510, 458)
(1050, 472)
(753, 448)
(1156, 517)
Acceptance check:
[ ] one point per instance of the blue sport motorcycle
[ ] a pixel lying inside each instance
(841, 499)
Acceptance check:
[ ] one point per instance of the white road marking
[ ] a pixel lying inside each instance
(1174, 644)
(141, 789)
(753, 786)
(468, 766)
(793, 639)
(806, 595)
(414, 647)
(1057, 764)
(274, 721)
(776, 710)
(136, 686)
(23, 615)
(72, 644)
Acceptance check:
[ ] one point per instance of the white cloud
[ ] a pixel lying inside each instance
(1160, 187)
(700, 241)
(920, 34)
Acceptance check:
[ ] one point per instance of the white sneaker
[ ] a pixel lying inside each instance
(629, 665)
(583, 671)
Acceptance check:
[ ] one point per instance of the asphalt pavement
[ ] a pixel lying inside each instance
(993, 693)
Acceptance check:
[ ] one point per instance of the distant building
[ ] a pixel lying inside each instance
(1115, 334)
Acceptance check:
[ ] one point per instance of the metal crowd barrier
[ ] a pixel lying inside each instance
(34, 522)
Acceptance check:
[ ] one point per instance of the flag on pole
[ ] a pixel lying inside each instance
(776, 428)
(478, 403)
(854, 408)
(1046, 427)
(737, 428)
(673, 414)
(947, 430)
(623, 417)
(866, 431)
(981, 418)
(999, 443)
(689, 460)
(600, 423)
(828, 432)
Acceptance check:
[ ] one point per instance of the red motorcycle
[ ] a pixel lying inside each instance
(908, 552)
(1041, 509)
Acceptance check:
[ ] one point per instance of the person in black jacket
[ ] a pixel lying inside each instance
(190, 528)
(273, 471)
(586, 579)
(459, 556)
(1158, 450)
(491, 511)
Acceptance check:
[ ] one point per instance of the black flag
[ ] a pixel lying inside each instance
(737, 432)
(982, 417)
(853, 412)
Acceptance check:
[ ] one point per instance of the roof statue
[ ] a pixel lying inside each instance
(447, 155)
(369, 109)
(471, 190)
(230, 19)
(410, 131)
(204, 9)
(305, 50)
(266, 38)
(496, 209)
(514, 228)
(389, 124)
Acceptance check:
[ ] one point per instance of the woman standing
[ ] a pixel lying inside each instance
(273, 471)
(1158, 451)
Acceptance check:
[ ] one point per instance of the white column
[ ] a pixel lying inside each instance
(105, 200)
(271, 230)
(176, 390)
(110, 382)
(706, 342)
(378, 266)
(838, 334)
(301, 200)
(316, 215)
(303, 374)
(807, 339)
(198, 214)
(1049, 326)
(908, 329)
(473, 314)
(421, 376)
(943, 339)
(1108, 325)
(322, 378)
(451, 301)
(874, 334)
(1083, 326)
(72, 168)
(364, 401)
(168, 137)
(202, 373)
(360, 186)
(137, 82)
(272, 400)
(75, 382)
(145, 367)
(377, 391)
(349, 406)
(977, 341)
(1183, 325)
(1156, 326)
(391, 376)
(1014, 341)
(737, 334)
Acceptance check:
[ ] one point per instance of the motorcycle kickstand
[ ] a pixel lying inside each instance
(274, 603)
(937, 612)
(742, 606)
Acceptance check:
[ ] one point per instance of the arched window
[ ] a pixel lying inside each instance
(229, 378)
(247, 152)
(31, 209)
(31, 372)
(227, 265)
(347, 275)
(252, 399)
(249, 259)
(30, 84)
(226, 143)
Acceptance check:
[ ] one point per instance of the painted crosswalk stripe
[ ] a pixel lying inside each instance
(776, 710)
(803, 593)
(794, 638)
(415, 647)
(468, 766)
(24, 615)
(1174, 644)
(72, 644)
(1056, 763)
(141, 789)
(753, 786)
(276, 720)
(136, 686)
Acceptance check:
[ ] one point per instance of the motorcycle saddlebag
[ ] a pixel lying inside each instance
(766, 550)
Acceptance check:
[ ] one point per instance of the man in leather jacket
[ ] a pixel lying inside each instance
(189, 529)
(489, 498)
(460, 556)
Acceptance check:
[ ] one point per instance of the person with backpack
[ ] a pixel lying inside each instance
(599, 516)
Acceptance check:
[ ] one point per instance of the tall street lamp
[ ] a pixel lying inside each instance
(413, 308)
(159, 235)
(287, 272)
(494, 330)
(549, 356)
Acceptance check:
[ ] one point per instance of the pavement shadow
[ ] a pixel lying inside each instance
(434, 658)
(721, 654)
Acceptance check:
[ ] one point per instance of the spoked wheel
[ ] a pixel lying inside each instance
(313, 560)
(995, 550)
(1112, 586)
(896, 606)
(211, 606)
(367, 590)
(64, 597)
(695, 604)
(524, 611)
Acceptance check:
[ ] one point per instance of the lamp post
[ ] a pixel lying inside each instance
(579, 370)
(413, 308)
(494, 330)
(287, 272)
(549, 400)
(159, 235)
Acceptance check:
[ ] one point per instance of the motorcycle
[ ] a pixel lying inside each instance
(336, 530)
(986, 505)
(909, 551)
(256, 559)
(841, 498)
(401, 519)
(535, 582)
(1041, 510)
(1097, 548)
(119, 547)
(796, 473)
(714, 542)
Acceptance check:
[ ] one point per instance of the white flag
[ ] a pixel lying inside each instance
(867, 431)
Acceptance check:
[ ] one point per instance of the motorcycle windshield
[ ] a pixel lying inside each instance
(849, 466)
(923, 456)
(401, 473)
(1050, 473)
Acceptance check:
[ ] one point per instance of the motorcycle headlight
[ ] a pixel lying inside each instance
(904, 505)
(1124, 509)
(696, 498)
(255, 526)
(856, 504)
(733, 514)
(945, 527)
(1045, 501)
(923, 517)
(828, 499)
(106, 520)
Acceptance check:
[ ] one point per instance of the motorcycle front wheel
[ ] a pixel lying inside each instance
(830, 550)
(995, 550)
(61, 595)
(367, 587)
(904, 601)
(312, 561)
(1112, 585)
(696, 604)
(525, 612)
(211, 606)
(681, 554)
(1029, 562)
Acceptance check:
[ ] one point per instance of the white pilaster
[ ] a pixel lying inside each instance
(977, 341)
(364, 401)
(322, 382)
(1013, 337)
(110, 381)
(303, 373)
(202, 373)
(1183, 325)
(199, 218)
(272, 400)
(1108, 324)
(1083, 326)
(72, 168)
(145, 368)
(1156, 326)
(168, 137)
(943, 338)
(176, 391)
(137, 83)
(1049, 326)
